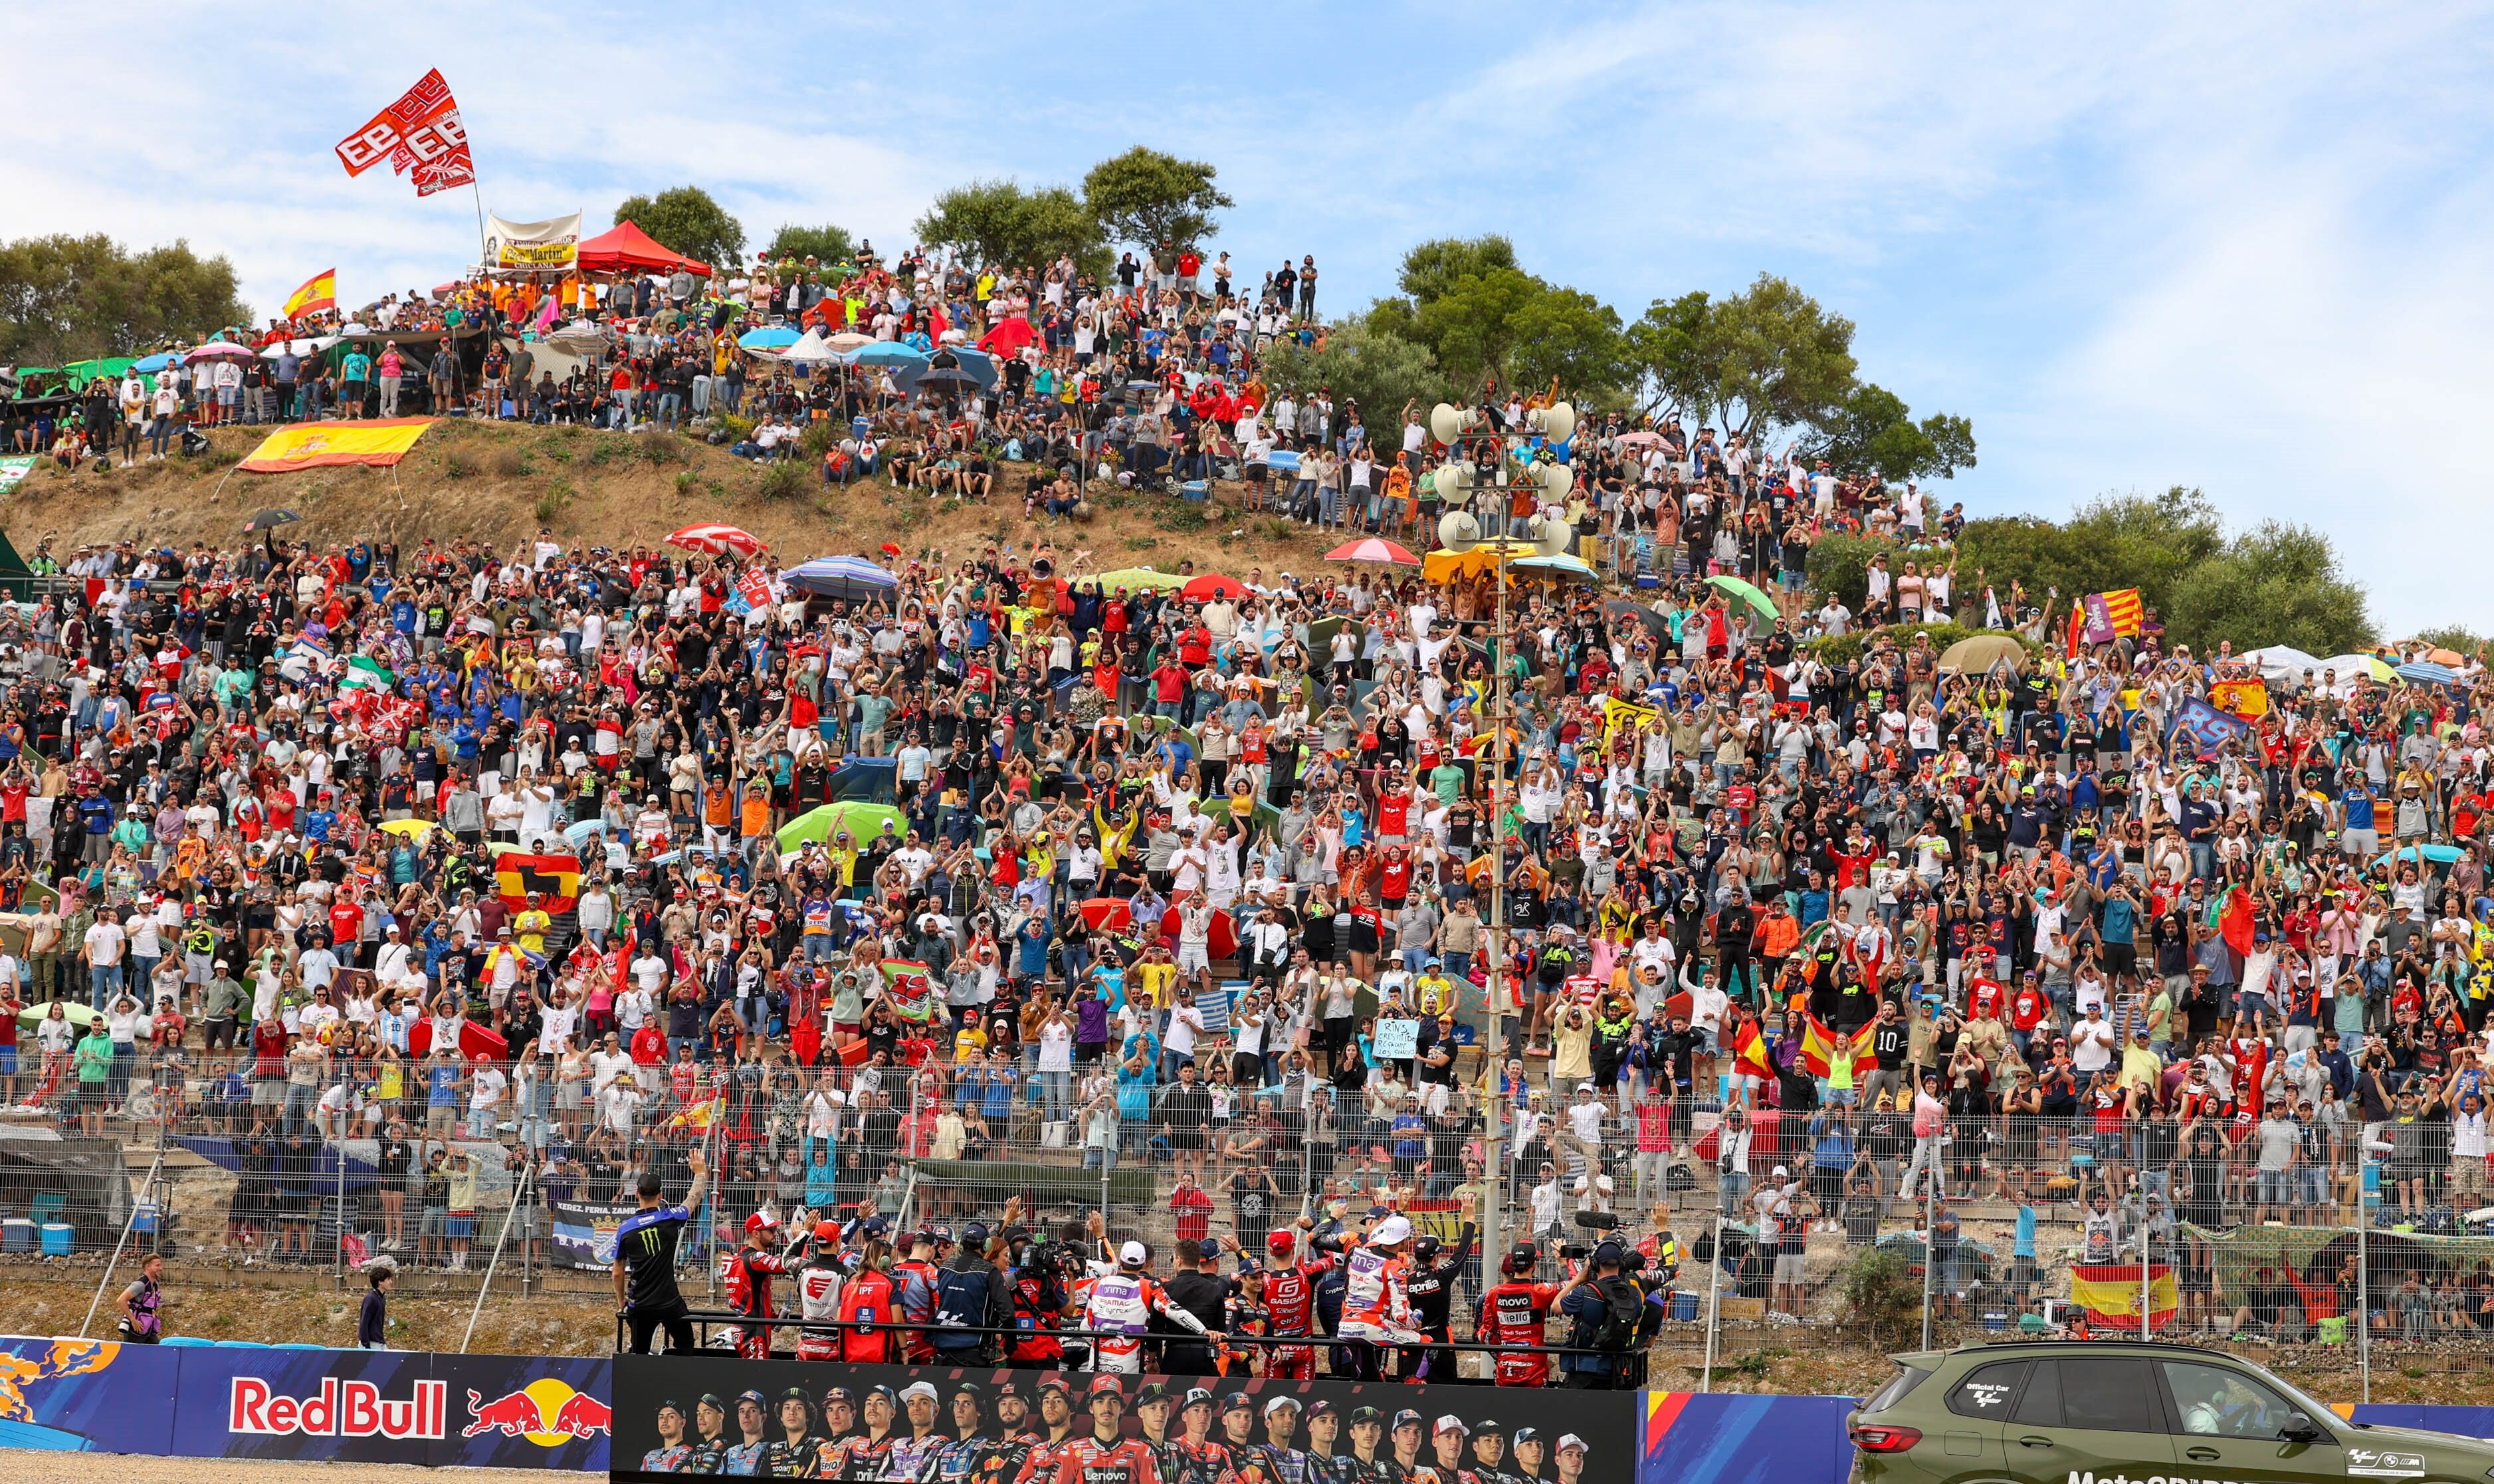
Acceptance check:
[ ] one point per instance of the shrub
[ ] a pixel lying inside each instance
(686, 481)
(782, 479)
(820, 438)
(512, 463)
(1880, 1292)
(660, 446)
(455, 466)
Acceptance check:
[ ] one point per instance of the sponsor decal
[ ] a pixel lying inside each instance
(546, 1411)
(2375, 1463)
(340, 1410)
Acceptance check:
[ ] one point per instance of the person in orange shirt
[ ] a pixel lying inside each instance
(755, 818)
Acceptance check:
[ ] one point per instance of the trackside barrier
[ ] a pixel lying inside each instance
(274, 1401)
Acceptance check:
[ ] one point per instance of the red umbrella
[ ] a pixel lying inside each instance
(1007, 338)
(717, 540)
(1224, 938)
(1213, 588)
(1373, 549)
(1107, 914)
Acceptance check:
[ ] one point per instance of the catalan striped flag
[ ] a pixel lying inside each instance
(2119, 611)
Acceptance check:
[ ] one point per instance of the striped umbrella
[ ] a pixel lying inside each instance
(1373, 549)
(843, 577)
(717, 540)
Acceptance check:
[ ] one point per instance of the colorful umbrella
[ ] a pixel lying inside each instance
(770, 337)
(719, 540)
(413, 828)
(844, 577)
(1213, 588)
(1373, 549)
(1442, 564)
(2425, 671)
(1554, 566)
(216, 347)
(887, 352)
(1759, 602)
(1138, 579)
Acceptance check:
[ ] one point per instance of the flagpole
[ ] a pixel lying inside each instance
(479, 196)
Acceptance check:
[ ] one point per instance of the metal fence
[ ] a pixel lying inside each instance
(499, 1162)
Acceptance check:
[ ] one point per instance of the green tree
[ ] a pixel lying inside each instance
(1432, 269)
(1771, 357)
(65, 298)
(686, 219)
(1871, 429)
(827, 244)
(1377, 369)
(1146, 197)
(2455, 637)
(999, 224)
(2274, 584)
(1481, 316)
(1572, 338)
(1667, 350)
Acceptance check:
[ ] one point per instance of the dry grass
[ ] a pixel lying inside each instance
(499, 483)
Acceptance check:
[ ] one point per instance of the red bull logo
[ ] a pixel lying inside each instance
(340, 1410)
(546, 1411)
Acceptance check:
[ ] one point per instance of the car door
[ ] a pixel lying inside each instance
(2231, 1423)
(1979, 1407)
(2081, 1415)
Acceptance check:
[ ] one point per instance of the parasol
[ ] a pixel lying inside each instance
(770, 337)
(221, 347)
(1213, 588)
(887, 352)
(270, 520)
(849, 340)
(1733, 586)
(1981, 654)
(1136, 579)
(2425, 671)
(1554, 566)
(719, 540)
(1373, 549)
(843, 577)
(1444, 565)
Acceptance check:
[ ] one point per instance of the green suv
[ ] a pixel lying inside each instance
(2126, 1413)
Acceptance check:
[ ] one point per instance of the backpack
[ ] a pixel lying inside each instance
(960, 1308)
(1623, 1311)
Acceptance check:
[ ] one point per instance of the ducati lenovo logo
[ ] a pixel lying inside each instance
(340, 1410)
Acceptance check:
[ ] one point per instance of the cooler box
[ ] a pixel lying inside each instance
(16, 1234)
(1684, 1307)
(60, 1239)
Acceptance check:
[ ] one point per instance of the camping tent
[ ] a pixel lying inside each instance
(629, 250)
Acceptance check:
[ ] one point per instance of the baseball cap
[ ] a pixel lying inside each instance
(1238, 1400)
(916, 1389)
(1451, 1423)
(1392, 1230)
(1108, 1386)
(760, 1221)
(1407, 1416)
(1525, 1434)
(1569, 1441)
(1209, 1249)
(1133, 1254)
(1195, 1396)
(1277, 1403)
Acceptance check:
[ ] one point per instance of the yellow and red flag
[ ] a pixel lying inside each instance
(2109, 1293)
(379, 443)
(320, 291)
(1749, 1052)
(1818, 1045)
(554, 878)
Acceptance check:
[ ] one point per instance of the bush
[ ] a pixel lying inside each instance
(782, 479)
(1838, 564)
(820, 438)
(1880, 1292)
(512, 463)
(737, 429)
(455, 466)
(660, 446)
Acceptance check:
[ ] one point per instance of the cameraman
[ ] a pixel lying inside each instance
(1602, 1305)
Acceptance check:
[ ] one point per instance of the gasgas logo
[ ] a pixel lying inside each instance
(340, 1410)
(546, 1411)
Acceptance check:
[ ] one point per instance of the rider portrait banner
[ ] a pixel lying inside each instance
(710, 1413)
(550, 246)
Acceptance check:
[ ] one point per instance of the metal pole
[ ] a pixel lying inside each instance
(1714, 1293)
(2362, 1265)
(519, 1192)
(1493, 1051)
(1931, 1231)
(338, 1154)
(146, 1188)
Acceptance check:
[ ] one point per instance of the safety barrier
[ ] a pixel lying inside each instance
(283, 1402)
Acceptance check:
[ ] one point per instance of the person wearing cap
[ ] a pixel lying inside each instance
(1446, 1438)
(708, 1448)
(753, 1427)
(1570, 1458)
(865, 1454)
(818, 1283)
(974, 1302)
(1283, 1459)
(1154, 1405)
(749, 1271)
(1122, 1299)
(1588, 1300)
(645, 1261)
(1376, 1303)
(1531, 1447)
(674, 1452)
(915, 1456)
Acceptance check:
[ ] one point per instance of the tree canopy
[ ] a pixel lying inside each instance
(686, 219)
(1148, 199)
(1003, 224)
(67, 298)
(827, 244)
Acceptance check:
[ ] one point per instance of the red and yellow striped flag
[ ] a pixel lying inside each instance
(2127, 613)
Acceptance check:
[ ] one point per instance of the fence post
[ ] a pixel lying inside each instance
(519, 1192)
(337, 1153)
(1931, 1231)
(2364, 1268)
(1714, 1293)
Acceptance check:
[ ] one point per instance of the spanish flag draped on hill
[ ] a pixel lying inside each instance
(380, 443)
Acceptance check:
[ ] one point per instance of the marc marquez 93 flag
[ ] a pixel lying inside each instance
(420, 133)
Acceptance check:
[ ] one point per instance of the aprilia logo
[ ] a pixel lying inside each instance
(341, 1410)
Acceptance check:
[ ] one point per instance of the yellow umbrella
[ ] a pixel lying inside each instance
(413, 828)
(1442, 565)
(1134, 579)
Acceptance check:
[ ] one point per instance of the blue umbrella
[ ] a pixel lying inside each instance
(775, 337)
(2439, 854)
(2425, 671)
(843, 577)
(153, 364)
(887, 352)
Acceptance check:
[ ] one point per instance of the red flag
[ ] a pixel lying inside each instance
(2234, 921)
(1749, 1053)
(421, 132)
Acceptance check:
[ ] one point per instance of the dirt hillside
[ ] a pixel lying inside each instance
(499, 482)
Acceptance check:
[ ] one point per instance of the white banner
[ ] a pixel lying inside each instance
(551, 245)
(13, 468)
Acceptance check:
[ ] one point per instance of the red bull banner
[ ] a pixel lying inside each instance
(337, 1406)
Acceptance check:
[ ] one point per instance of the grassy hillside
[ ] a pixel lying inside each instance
(499, 482)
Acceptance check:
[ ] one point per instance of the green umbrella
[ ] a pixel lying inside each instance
(1763, 605)
(1133, 579)
(862, 820)
(80, 1016)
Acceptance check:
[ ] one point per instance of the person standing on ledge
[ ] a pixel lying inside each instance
(142, 1304)
(645, 1263)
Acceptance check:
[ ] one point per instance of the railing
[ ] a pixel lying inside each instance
(200, 1167)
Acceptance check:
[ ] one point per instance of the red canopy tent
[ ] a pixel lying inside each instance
(629, 250)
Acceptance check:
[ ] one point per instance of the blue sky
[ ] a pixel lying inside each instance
(2243, 248)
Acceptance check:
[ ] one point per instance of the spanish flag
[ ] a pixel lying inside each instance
(554, 878)
(1749, 1053)
(1818, 1045)
(312, 445)
(320, 291)
(2109, 1291)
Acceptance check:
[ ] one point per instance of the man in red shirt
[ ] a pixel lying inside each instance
(1168, 688)
(1108, 1456)
(1515, 1313)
